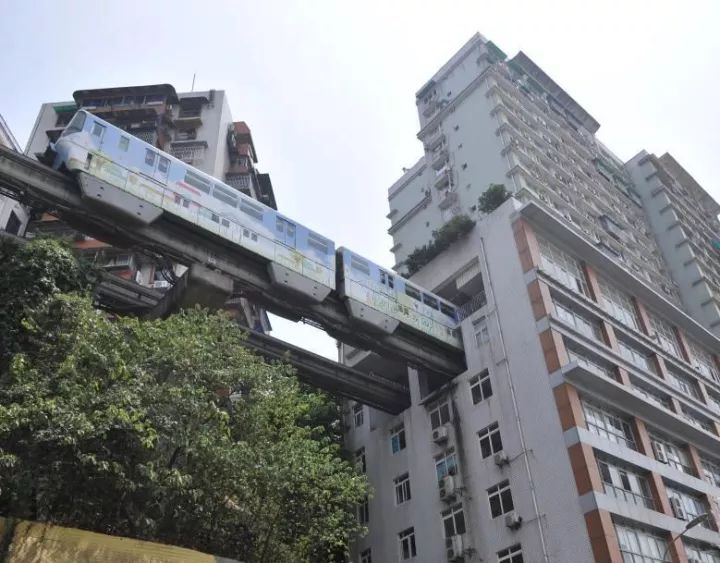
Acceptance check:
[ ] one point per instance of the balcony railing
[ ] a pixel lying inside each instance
(629, 496)
(477, 302)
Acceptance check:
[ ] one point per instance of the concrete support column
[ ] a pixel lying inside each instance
(610, 336)
(643, 318)
(540, 299)
(553, 349)
(683, 345)
(642, 437)
(593, 284)
(569, 406)
(659, 493)
(585, 468)
(527, 245)
(677, 552)
(623, 376)
(603, 538)
(695, 461)
(660, 366)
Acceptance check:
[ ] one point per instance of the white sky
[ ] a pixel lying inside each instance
(328, 87)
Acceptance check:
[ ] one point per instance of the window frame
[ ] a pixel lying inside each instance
(398, 432)
(490, 434)
(503, 493)
(409, 535)
(483, 384)
(402, 488)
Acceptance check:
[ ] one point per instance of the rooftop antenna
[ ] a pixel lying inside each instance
(192, 88)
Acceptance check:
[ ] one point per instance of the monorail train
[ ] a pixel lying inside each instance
(138, 180)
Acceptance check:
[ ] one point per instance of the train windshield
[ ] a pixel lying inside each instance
(76, 124)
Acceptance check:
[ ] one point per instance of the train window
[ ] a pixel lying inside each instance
(430, 301)
(319, 244)
(410, 291)
(163, 165)
(182, 201)
(98, 131)
(226, 196)
(215, 218)
(197, 182)
(123, 144)
(254, 211)
(386, 279)
(76, 124)
(360, 265)
(225, 222)
(149, 157)
(447, 310)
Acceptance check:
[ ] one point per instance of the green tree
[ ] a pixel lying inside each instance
(170, 430)
(450, 232)
(492, 198)
(30, 274)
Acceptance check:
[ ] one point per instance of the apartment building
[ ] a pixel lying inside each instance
(13, 216)
(195, 127)
(586, 427)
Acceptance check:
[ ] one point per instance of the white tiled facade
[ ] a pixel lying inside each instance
(590, 399)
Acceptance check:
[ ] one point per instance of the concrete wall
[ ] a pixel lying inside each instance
(33, 542)
(522, 404)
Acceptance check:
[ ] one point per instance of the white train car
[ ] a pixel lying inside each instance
(141, 182)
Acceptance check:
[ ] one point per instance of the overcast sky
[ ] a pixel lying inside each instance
(328, 87)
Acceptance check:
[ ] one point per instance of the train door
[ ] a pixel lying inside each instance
(285, 232)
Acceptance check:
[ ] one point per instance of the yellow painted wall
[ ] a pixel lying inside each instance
(43, 543)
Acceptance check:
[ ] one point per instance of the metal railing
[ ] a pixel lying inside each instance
(478, 301)
(629, 496)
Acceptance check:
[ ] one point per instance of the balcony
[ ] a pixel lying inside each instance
(439, 157)
(448, 200)
(189, 152)
(189, 118)
(430, 108)
(442, 177)
(241, 182)
(433, 140)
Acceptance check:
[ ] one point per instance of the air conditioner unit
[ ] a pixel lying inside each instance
(659, 451)
(677, 508)
(455, 548)
(440, 435)
(501, 458)
(448, 488)
(513, 521)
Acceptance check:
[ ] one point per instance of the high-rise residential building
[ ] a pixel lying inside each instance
(13, 216)
(195, 127)
(586, 427)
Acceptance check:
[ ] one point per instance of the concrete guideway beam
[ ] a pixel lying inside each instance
(36, 184)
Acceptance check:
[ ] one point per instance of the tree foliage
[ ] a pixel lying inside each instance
(169, 430)
(492, 198)
(30, 274)
(450, 232)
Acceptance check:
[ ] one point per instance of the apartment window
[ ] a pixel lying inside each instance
(703, 361)
(686, 506)
(674, 455)
(366, 556)
(397, 438)
(665, 335)
(589, 361)
(480, 387)
(408, 550)
(511, 555)
(584, 325)
(358, 414)
(625, 484)
(702, 554)
(446, 464)
(714, 401)
(363, 511)
(360, 461)
(652, 395)
(500, 499)
(490, 442)
(402, 488)
(711, 471)
(440, 414)
(636, 356)
(480, 329)
(618, 304)
(639, 545)
(123, 144)
(454, 521)
(684, 384)
(698, 420)
(608, 424)
(562, 267)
